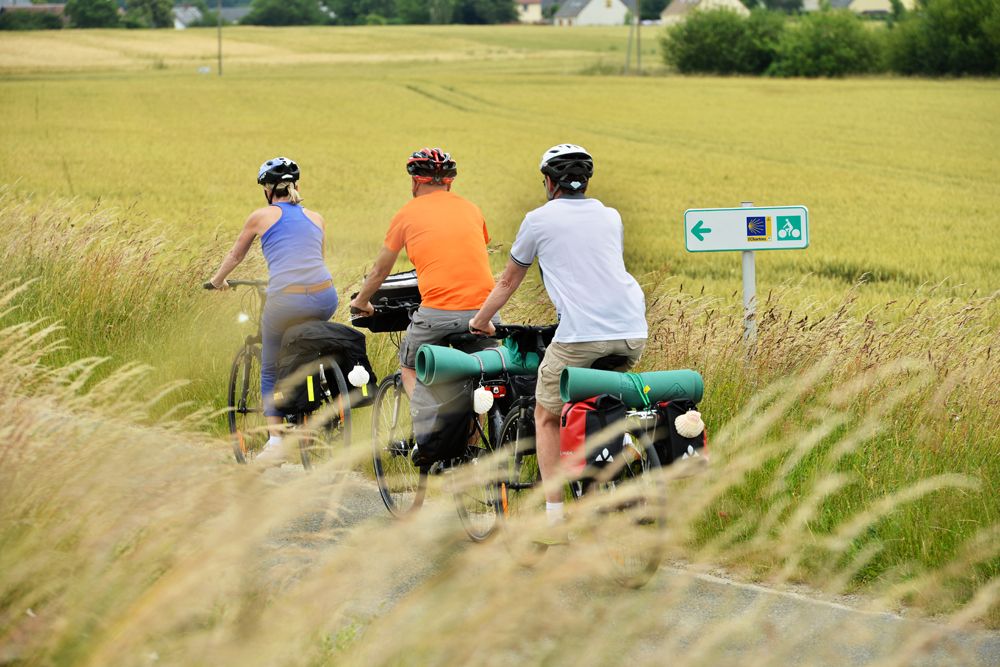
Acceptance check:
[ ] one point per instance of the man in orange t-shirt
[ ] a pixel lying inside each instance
(445, 238)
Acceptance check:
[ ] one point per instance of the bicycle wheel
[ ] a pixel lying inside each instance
(629, 513)
(246, 409)
(401, 484)
(318, 445)
(519, 487)
(519, 473)
(476, 489)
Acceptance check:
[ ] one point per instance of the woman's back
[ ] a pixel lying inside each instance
(293, 249)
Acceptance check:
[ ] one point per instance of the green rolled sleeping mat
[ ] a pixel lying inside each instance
(576, 384)
(437, 364)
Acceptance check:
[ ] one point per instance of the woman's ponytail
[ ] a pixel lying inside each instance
(287, 189)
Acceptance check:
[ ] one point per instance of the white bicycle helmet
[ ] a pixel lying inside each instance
(568, 165)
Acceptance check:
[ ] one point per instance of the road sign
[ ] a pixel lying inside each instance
(756, 228)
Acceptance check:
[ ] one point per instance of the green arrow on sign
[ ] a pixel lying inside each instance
(699, 230)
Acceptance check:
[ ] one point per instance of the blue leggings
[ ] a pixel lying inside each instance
(280, 311)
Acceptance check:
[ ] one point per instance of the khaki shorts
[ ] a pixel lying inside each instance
(579, 355)
(431, 326)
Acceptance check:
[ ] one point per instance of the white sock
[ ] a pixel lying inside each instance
(273, 441)
(554, 512)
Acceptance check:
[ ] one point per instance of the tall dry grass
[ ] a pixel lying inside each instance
(131, 540)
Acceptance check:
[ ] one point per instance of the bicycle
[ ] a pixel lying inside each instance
(626, 496)
(402, 484)
(245, 415)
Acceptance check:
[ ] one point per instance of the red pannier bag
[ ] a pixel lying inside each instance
(581, 424)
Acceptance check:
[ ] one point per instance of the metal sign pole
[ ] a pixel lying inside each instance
(218, 22)
(749, 292)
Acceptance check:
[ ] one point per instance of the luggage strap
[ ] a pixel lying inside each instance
(637, 383)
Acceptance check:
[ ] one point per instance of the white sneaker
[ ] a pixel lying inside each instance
(272, 455)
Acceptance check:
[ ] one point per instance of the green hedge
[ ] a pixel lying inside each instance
(948, 37)
(723, 42)
(830, 44)
(941, 37)
(29, 21)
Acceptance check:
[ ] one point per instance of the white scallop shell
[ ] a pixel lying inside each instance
(358, 376)
(689, 424)
(482, 400)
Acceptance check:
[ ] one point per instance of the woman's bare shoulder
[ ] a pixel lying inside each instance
(314, 216)
(266, 216)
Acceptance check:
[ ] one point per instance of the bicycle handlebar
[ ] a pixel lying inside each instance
(508, 330)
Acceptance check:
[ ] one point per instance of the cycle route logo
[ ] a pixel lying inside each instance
(761, 228)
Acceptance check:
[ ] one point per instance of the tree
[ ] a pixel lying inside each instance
(834, 43)
(92, 13)
(284, 12)
(651, 9)
(149, 13)
(948, 37)
(353, 12)
(413, 11)
(714, 41)
(484, 11)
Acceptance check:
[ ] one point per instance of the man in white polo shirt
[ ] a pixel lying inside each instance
(579, 244)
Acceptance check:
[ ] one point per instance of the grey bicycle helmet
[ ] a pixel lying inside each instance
(278, 170)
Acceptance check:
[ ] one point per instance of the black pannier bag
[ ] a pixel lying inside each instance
(393, 302)
(443, 420)
(304, 348)
(671, 445)
(581, 424)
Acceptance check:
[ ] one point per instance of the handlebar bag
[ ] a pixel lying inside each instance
(670, 445)
(303, 348)
(443, 420)
(588, 436)
(393, 302)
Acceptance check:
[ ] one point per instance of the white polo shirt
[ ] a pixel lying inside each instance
(579, 244)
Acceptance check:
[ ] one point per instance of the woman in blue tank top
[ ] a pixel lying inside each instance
(299, 287)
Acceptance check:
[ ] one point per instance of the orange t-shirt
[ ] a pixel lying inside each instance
(445, 238)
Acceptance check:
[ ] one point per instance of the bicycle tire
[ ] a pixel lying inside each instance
(630, 529)
(247, 425)
(476, 499)
(335, 431)
(401, 484)
(519, 483)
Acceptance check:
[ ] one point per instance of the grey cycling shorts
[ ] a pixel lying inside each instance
(431, 326)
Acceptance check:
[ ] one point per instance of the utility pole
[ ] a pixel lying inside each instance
(218, 22)
(628, 48)
(638, 35)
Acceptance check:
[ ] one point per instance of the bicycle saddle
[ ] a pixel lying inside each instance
(611, 362)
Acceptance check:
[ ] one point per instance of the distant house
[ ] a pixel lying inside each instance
(234, 14)
(876, 7)
(593, 12)
(864, 7)
(185, 16)
(529, 11)
(678, 10)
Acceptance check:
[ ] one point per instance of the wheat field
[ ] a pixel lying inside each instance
(857, 448)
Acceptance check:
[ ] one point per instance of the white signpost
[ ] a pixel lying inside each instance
(747, 229)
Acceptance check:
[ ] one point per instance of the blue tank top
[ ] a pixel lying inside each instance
(293, 249)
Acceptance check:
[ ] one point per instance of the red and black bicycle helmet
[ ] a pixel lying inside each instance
(431, 165)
